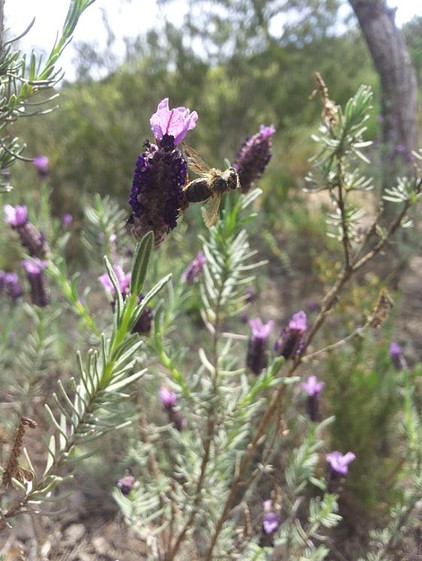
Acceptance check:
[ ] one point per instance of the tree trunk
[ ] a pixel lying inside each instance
(398, 82)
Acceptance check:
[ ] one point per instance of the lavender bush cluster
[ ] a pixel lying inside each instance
(231, 452)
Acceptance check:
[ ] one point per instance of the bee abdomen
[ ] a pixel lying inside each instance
(197, 191)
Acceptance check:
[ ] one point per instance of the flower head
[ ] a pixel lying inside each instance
(270, 524)
(175, 122)
(67, 220)
(157, 195)
(31, 238)
(193, 271)
(312, 386)
(15, 216)
(34, 270)
(256, 357)
(10, 284)
(397, 356)
(259, 329)
(123, 280)
(167, 397)
(253, 156)
(291, 339)
(41, 163)
(34, 266)
(339, 463)
(126, 483)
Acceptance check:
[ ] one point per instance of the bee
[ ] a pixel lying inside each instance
(210, 186)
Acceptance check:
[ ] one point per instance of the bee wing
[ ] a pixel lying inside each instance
(210, 210)
(195, 160)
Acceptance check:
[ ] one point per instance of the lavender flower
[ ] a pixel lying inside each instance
(41, 163)
(256, 358)
(160, 173)
(193, 271)
(15, 216)
(291, 339)
(10, 285)
(126, 483)
(167, 397)
(67, 220)
(175, 122)
(123, 280)
(253, 156)
(313, 388)
(169, 400)
(339, 463)
(397, 356)
(270, 525)
(33, 240)
(34, 271)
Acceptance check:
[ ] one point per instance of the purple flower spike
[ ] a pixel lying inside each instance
(123, 280)
(339, 463)
(33, 240)
(253, 157)
(67, 220)
(41, 163)
(157, 189)
(15, 216)
(34, 270)
(270, 525)
(126, 483)
(193, 271)
(10, 284)
(312, 386)
(291, 339)
(175, 122)
(256, 357)
(397, 356)
(167, 397)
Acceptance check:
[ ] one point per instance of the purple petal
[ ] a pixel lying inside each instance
(15, 216)
(266, 132)
(167, 397)
(175, 122)
(339, 462)
(312, 386)
(299, 322)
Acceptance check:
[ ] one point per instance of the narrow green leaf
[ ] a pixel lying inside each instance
(141, 259)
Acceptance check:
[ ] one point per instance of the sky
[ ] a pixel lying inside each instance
(127, 19)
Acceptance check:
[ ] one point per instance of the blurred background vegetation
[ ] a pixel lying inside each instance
(237, 72)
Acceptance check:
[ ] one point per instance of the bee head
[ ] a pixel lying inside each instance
(232, 179)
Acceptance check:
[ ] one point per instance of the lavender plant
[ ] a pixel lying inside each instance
(223, 463)
(199, 497)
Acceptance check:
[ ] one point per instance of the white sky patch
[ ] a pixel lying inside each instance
(126, 18)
